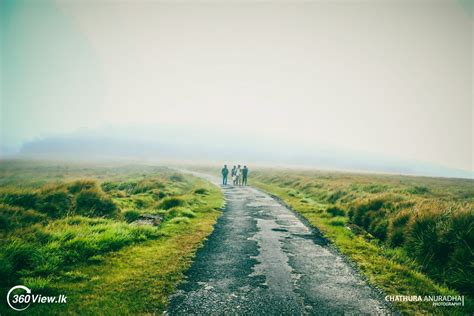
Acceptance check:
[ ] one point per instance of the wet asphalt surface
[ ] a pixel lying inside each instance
(261, 259)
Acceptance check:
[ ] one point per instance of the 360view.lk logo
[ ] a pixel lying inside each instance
(20, 298)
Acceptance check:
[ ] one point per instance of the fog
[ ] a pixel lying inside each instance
(359, 85)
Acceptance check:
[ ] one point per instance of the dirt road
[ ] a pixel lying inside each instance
(262, 259)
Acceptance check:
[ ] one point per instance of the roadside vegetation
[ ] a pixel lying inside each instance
(113, 239)
(407, 235)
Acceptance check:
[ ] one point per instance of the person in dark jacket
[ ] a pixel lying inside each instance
(224, 172)
(245, 173)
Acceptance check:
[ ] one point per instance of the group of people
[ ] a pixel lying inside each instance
(239, 175)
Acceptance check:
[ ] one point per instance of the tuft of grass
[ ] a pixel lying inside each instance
(337, 222)
(37, 284)
(131, 215)
(201, 191)
(12, 217)
(171, 202)
(335, 211)
(180, 220)
(92, 202)
(188, 213)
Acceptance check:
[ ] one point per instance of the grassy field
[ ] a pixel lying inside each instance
(73, 229)
(408, 235)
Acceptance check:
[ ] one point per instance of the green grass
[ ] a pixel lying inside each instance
(74, 234)
(383, 224)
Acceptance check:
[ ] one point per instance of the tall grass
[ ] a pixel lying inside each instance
(49, 228)
(42, 250)
(432, 220)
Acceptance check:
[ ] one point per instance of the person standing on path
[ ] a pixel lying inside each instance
(233, 175)
(224, 172)
(245, 172)
(238, 175)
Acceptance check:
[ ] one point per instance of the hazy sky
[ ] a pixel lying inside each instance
(384, 77)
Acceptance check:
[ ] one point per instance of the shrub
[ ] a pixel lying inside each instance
(171, 202)
(131, 216)
(92, 202)
(336, 211)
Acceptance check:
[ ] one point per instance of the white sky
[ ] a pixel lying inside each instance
(386, 77)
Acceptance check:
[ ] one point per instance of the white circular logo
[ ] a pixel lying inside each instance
(28, 291)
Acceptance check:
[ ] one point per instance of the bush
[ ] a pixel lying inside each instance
(171, 202)
(93, 203)
(131, 216)
(336, 211)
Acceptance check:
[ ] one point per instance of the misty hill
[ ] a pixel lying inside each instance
(166, 143)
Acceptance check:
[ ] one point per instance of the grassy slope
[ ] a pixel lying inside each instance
(140, 278)
(137, 278)
(388, 268)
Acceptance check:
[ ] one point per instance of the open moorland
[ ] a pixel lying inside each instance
(114, 238)
(408, 235)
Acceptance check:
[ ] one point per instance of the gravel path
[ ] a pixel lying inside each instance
(262, 259)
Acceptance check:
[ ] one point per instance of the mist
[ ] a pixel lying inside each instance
(380, 86)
